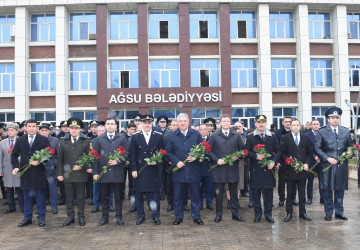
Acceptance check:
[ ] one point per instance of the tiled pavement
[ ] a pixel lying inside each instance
(228, 234)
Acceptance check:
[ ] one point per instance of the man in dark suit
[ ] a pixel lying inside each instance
(297, 146)
(330, 143)
(262, 180)
(224, 142)
(316, 160)
(143, 145)
(33, 181)
(106, 144)
(178, 147)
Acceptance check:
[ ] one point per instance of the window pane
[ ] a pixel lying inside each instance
(204, 78)
(203, 26)
(241, 29)
(83, 31)
(164, 29)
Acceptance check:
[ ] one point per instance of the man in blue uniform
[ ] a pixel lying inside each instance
(330, 142)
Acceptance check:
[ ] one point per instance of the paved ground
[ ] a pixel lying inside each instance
(228, 234)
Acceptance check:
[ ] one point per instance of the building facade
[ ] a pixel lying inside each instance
(94, 59)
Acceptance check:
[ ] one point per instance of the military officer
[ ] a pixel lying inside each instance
(330, 142)
(211, 125)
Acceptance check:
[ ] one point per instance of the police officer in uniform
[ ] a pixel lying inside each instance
(143, 145)
(331, 141)
(262, 180)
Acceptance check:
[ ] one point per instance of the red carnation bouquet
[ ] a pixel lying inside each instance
(116, 155)
(86, 159)
(260, 149)
(40, 156)
(155, 159)
(197, 152)
(345, 156)
(10, 149)
(229, 158)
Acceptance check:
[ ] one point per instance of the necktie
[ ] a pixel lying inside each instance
(31, 140)
(262, 136)
(296, 140)
(335, 131)
(11, 143)
(226, 134)
(111, 136)
(74, 140)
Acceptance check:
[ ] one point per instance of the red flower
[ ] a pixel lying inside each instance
(206, 145)
(2, 136)
(357, 146)
(93, 152)
(120, 148)
(246, 152)
(122, 151)
(97, 157)
(258, 146)
(52, 151)
(273, 153)
(9, 151)
(49, 148)
(163, 152)
(289, 160)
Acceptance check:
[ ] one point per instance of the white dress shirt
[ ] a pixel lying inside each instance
(147, 136)
(29, 139)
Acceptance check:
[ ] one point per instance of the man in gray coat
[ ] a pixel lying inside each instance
(222, 143)
(330, 142)
(11, 182)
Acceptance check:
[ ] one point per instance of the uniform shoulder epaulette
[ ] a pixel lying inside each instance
(322, 127)
(158, 132)
(136, 133)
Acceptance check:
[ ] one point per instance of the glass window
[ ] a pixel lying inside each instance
(203, 24)
(204, 73)
(7, 28)
(246, 115)
(83, 76)
(321, 73)
(353, 25)
(319, 114)
(7, 117)
(123, 116)
(281, 25)
(163, 24)
(7, 77)
(124, 74)
(43, 77)
(280, 113)
(86, 116)
(123, 25)
(43, 116)
(319, 25)
(170, 113)
(198, 115)
(354, 70)
(81, 25)
(43, 27)
(283, 72)
(243, 73)
(242, 24)
(165, 73)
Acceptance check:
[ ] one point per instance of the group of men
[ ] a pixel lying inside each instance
(315, 149)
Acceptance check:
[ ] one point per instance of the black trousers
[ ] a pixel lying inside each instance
(89, 186)
(11, 199)
(72, 190)
(170, 188)
(281, 187)
(291, 194)
(234, 201)
(268, 201)
(3, 192)
(62, 191)
(118, 196)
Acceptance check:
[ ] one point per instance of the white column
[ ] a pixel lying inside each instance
(22, 71)
(61, 60)
(303, 77)
(341, 62)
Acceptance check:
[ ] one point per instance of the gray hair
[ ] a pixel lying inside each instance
(182, 114)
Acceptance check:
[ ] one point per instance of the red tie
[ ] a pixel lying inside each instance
(11, 143)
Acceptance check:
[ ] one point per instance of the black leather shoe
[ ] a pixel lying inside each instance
(24, 223)
(321, 200)
(186, 208)
(82, 221)
(169, 208)
(238, 217)
(7, 211)
(288, 217)
(328, 217)
(112, 209)
(119, 221)
(42, 223)
(178, 221)
(95, 209)
(91, 202)
(281, 203)
(218, 218)
(341, 217)
(199, 221)
(68, 221)
(251, 204)
(305, 217)
(54, 211)
(157, 221)
(257, 219)
(61, 203)
(210, 206)
(132, 209)
(269, 219)
(140, 221)
(295, 202)
(309, 201)
(103, 221)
